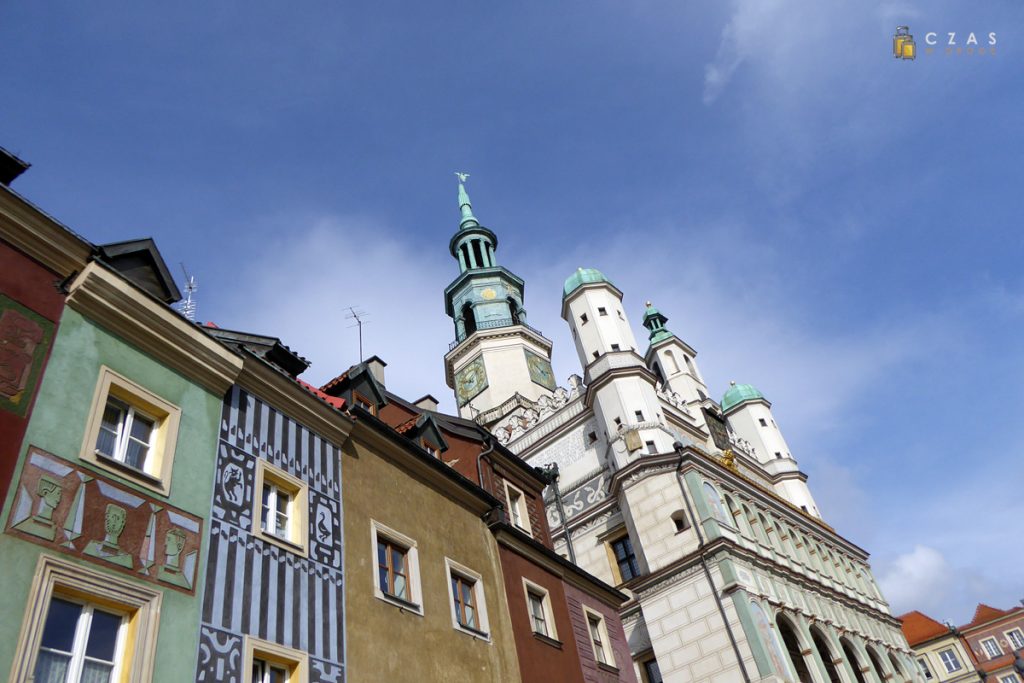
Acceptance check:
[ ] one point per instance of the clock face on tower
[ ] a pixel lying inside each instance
(470, 380)
(540, 370)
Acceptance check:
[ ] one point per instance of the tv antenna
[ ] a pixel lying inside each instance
(360, 316)
(188, 306)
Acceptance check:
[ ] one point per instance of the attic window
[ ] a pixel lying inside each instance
(364, 403)
(601, 310)
(431, 448)
(583, 318)
(616, 347)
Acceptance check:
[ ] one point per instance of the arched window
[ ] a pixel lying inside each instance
(851, 656)
(670, 362)
(825, 652)
(793, 649)
(714, 501)
(769, 532)
(876, 663)
(897, 667)
(771, 640)
(469, 320)
(738, 520)
(513, 310)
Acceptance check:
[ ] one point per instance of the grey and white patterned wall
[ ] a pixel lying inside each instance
(257, 588)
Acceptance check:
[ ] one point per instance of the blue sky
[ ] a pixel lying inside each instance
(839, 228)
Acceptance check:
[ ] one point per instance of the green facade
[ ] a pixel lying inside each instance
(58, 427)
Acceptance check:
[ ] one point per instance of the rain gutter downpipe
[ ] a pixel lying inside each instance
(707, 571)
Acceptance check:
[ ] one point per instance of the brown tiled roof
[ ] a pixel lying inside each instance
(919, 627)
(407, 425)
(334, 382)
(986, 613)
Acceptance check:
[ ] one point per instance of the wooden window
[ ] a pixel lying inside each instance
(364, 403)
(518, 512)
(465, 591)
(992, 648)
(83, 626)
(269, 662)
(538, 606)
(396, 578)
(393, 569)
(281, 508)
(625, 562)
(131, 432)
(599, 638)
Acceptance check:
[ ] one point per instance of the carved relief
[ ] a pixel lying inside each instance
(24, 340)
(59, 505)
(524, 419)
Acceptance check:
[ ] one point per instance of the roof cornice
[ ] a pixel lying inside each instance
(32, 231)
(105, 297)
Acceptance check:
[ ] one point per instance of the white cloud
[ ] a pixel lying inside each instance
(921, 579)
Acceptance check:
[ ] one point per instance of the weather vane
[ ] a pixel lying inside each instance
(462, 176)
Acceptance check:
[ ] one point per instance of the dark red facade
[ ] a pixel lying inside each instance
(30, 307)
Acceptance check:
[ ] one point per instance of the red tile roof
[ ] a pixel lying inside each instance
(407, 425)
(919, 627)
(335, 401)
(334, 382)
(986, 613)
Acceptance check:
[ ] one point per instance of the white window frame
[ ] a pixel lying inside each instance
(1009, 678)
(296, 538)
(77, 583)
(412, 561)
(606, 645)
(295, 662)
(454, 569)
(518, 511)
(995, 644)
(157, 468)
(926, 671)
(1009, 639)
(529, 587)
(82, 630)
(946, 663)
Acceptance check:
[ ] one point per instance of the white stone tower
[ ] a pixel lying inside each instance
(620, 387)
(749, 415)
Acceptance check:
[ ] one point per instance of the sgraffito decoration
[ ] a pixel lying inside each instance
(252, 586)
(25, 337)
(76, 511)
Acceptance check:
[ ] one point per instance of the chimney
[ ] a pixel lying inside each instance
(428, 402)
(376, 367)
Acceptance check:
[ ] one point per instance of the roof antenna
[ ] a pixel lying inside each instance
(187, 308)
(360, 316)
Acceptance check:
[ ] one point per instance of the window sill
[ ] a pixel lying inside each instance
(283, 543)
(548, 640)
(400, 603)
(470, 631)
(608, 667)
(140, 477)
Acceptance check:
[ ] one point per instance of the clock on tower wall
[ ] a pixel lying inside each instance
(470, 381)
(540, 370)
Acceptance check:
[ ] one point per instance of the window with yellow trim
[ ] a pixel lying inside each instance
(280, 512)
(131, 431)
(83, 626)
(268, 662)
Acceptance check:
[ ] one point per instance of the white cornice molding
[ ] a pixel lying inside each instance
(288, 396)
(42, 238)
(106, 298)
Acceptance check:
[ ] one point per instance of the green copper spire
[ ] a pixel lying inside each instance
(655, 322)
(468, 219)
